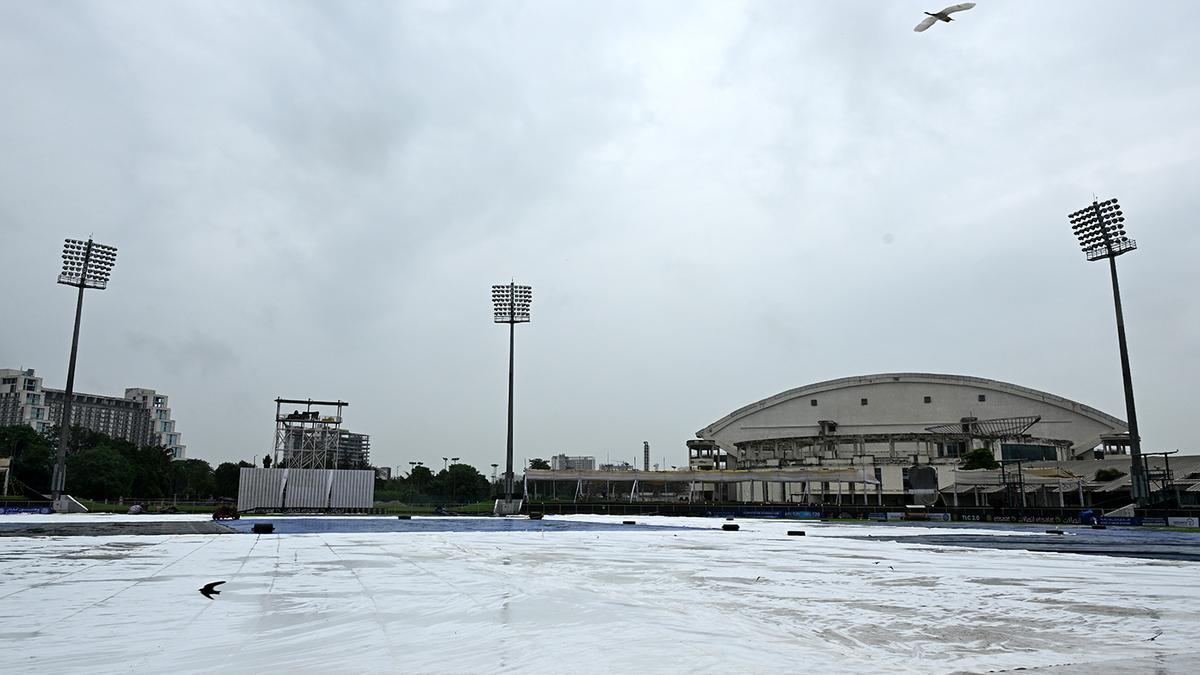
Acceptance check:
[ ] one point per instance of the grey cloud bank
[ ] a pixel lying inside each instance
(713, 203)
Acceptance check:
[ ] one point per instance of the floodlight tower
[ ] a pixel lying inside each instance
(86, 264)
(1101, 232)
(511, 303)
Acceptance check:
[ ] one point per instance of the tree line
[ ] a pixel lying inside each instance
(458, 483)
(103, 468)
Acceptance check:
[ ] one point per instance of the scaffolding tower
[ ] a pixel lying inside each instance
(307, 439)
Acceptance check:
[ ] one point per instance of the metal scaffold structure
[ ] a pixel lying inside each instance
(308, 438)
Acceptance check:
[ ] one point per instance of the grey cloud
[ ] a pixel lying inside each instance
(714, 202)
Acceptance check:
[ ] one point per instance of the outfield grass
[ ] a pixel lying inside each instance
(421, 509)
(107, 507)
(389, 508)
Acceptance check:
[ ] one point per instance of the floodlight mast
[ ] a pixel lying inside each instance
(86, 264)
(1101, 232)
(511, 304)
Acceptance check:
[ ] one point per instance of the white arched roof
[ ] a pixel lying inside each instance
(775, 415)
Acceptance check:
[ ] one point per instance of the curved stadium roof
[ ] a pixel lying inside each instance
(975, 383)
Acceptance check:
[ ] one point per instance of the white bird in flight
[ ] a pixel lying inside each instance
(943, 15)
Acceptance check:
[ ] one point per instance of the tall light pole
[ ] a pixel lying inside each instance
(511, 303)
(86, 264)
(1101, 232)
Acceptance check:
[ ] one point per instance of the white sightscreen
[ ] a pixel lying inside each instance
(352, 490)
(314, 489)
(306, 489)
(260, 488)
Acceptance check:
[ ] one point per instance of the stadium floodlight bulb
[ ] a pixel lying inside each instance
(86, 264)
(511, 303)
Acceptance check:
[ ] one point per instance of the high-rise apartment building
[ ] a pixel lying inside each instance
(141, 417)
(22, 400)
(162, 426)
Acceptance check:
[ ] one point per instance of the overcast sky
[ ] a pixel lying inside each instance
(713, 203)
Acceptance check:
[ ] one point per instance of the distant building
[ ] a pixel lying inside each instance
(110, 415)
(162, 427)
(22, 400)
(340, 448)
(621, 466)
(141, 417)
(565, 463)
(353, 450)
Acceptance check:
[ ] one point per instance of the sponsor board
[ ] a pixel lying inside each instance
(1183, 522)
(765, 513)
(27, 509)
(877, 516)
(1119, 520)
(895, 515)
(1154, 522)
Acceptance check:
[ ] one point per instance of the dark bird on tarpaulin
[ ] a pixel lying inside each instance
(210, 590)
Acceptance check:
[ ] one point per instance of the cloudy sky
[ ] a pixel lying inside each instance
(713, 203)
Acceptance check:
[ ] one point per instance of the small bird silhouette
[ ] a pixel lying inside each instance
(1152, 639)
(210, 590)
(944, 15)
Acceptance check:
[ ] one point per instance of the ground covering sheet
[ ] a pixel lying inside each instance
(680, 596)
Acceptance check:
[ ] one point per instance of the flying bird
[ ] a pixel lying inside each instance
(1152, 639)
(210, 590)
(943, 15)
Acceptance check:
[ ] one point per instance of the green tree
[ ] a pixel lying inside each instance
(151, 468)
(539, 463)
(192, 479)
(979, 458)
(100, 473)
(226, 478)
(81, 438)
(420, 478)
(460, 483)
(32, 456)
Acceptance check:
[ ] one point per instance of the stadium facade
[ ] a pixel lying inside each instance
(887, 424)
